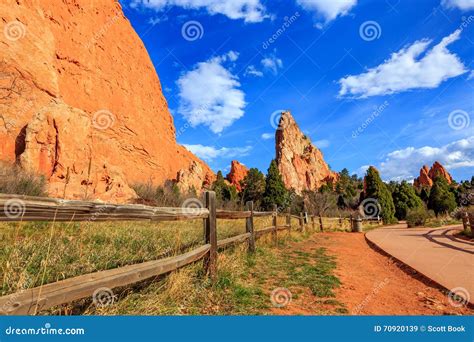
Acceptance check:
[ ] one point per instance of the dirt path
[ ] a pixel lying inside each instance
(371, 283)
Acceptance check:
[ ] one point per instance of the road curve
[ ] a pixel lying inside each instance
(434, 252)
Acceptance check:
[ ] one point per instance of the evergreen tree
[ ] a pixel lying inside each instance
(425, 194)
(253, 187)
(275, 191)
(441, 200)
(341, 204)
(224, 192)
(375, 188)
(405, 198)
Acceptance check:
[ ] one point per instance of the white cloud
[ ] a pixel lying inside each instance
(471, 75)
(210, 94)
(406, 163)
(251, 11)
(405, 70)
(328, 9)
(464, 5)
(322, 143)
(272, 63)
(267, 136)
(252, 71)
(209, 153)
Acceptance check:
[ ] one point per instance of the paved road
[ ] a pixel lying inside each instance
(434, 252)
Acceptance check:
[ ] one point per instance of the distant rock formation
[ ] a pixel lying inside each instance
(237, 174)
(301, 164)
(81, 101)
(427, 176)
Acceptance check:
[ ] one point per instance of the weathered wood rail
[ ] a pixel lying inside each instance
(26, 208)
(468, 223)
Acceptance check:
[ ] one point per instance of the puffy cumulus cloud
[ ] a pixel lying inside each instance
(251, 70)
(328, 9)
(406, 163)
(210, 95)
(209, 153)
(267, 136)
(405, 70)
(251, 11)
(272, 63)
(464, 5)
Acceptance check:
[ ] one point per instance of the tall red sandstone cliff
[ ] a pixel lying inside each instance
(237, 174)
(80, 100)
(301, 164)
(427, 176)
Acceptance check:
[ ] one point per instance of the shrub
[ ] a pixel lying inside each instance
(417, 216)
(14, 180)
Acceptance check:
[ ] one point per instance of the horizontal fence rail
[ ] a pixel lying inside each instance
(26, 208)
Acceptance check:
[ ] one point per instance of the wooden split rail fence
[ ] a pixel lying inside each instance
(26, 208)
(468, 222)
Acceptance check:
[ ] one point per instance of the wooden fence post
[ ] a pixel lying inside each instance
(288, 221)
(321, 223)
(301, 222)
(313, 223)
(250, 228)
(340, 222)
(350, 222)
(275, 223)
(210, 235)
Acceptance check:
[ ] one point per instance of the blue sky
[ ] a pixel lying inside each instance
(371, 82)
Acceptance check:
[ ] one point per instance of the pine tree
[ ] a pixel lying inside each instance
(275, 191)
(224, 192)
(253, 187)
(441, 200)
(405, 198)
(376, 189)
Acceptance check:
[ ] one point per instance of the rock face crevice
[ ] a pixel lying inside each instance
(427, 176)
(62, 63)
(301, 164)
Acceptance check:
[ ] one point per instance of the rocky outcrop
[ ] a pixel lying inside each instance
(79, 92)
(427, 176)
(237, 174)
(301, 164)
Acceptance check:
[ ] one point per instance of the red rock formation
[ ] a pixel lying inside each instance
(427, 177)
(301, 164)
(424, 179)
(237, 174)
(79, 92)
